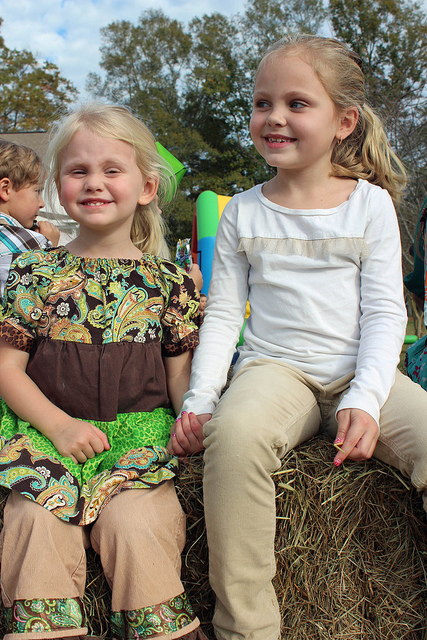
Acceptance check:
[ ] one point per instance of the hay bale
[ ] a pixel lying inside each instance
(351, 551)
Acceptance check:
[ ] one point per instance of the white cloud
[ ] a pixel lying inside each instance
(67, 32)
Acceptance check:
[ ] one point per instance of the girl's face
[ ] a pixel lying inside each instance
(100, 184)
(294, 124)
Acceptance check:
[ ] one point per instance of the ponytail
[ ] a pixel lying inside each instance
(367, 154)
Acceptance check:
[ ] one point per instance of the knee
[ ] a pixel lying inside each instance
(240, 441)
(24, 514)
(233, 430)
(136, 513)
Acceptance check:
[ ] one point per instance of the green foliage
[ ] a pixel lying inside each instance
(391, 39)
(266, 21)
(143, 64)
(31, 94)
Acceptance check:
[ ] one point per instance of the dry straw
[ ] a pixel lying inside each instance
(351, 551)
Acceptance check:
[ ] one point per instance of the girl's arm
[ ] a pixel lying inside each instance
(187, 432)
(178, 370)
(72, 438)
(382, 330)
(223, 318)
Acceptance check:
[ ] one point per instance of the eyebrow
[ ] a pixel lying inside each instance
(81, 162)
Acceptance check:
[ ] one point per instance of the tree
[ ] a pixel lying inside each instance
(143, 64)
(216, 102)
(31, 94)
(391, 40)
(266, 21)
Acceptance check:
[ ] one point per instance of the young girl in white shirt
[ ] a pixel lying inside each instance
(316, 251)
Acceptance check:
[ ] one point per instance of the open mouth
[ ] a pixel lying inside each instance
(94, 203)
(278, 140)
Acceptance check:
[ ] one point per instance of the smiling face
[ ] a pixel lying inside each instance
(100, 184)
(294, 124)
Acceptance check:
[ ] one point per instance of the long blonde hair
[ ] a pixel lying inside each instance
(366, 153)
(117, 123)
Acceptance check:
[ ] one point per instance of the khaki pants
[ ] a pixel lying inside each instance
(270, 408)
(139, 536)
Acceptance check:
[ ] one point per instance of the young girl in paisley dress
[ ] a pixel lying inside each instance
(96, 346)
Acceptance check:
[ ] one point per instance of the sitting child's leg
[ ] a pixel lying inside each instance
(140, 535)
(403, 432)
(268, 409)
(43, 572)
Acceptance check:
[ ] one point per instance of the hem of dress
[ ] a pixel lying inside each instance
(51, 635)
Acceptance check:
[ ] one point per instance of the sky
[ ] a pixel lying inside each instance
(67, 32)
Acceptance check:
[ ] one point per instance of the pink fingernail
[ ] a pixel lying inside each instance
(174, 435)
(338, 441)
(337, 463)
(184, 413)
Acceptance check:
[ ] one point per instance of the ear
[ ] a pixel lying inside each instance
(148, 191)
(5, 187)
(347, 123)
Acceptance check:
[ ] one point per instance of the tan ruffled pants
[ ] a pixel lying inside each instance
(139, 536)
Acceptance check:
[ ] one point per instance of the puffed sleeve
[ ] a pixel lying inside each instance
(22, 308)
(180, 317)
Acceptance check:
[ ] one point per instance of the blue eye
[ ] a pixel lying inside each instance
(297, 104)
(262, 104)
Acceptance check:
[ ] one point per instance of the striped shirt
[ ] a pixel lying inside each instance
(14, 239)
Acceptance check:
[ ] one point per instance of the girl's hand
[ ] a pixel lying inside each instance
(357, 435)
(187, 434)
(196, 275)
(79, 440)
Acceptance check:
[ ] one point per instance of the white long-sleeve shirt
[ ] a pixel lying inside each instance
(325, 290)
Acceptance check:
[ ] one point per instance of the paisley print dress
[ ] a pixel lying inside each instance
(96, 330)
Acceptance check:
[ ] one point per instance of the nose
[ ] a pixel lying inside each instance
(41, 201)
(93, 182)
(277, 117)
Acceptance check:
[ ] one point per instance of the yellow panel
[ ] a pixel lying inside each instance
(222, 201)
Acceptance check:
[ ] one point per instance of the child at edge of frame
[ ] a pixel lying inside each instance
(96, 345)
(416, 354)
(316, 250)
(21, 183)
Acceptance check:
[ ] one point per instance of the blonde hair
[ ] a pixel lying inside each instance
(20, 164)
(366, 153)
(117, 123)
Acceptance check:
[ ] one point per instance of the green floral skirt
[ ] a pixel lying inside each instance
(76, 493)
